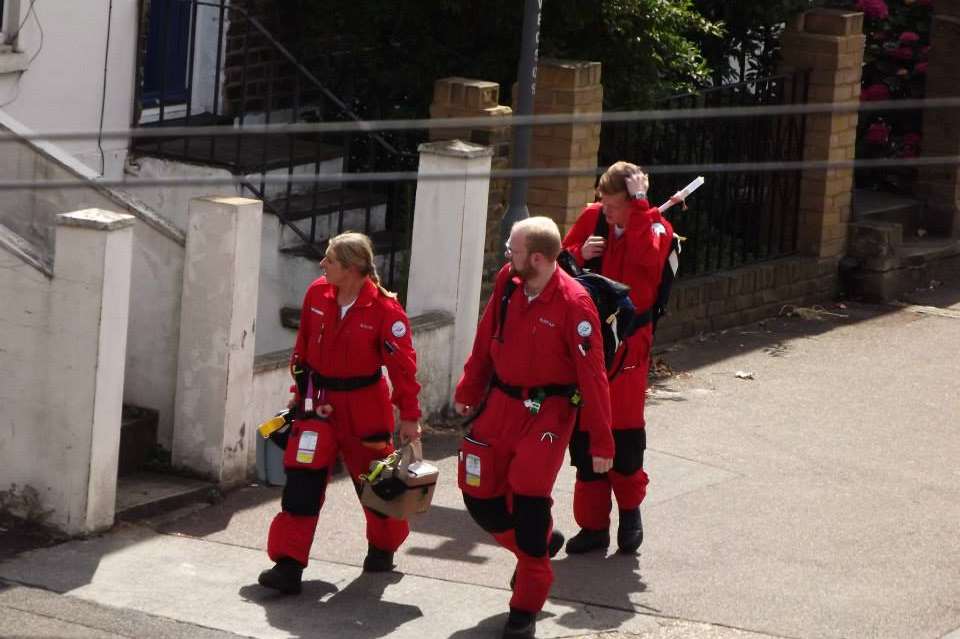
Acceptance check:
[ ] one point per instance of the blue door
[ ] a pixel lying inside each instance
(168, 45)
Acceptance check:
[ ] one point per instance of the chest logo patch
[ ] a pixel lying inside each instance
(366, 326)
(545, 321)
(584, 329)
(398, 329)
(316, 310)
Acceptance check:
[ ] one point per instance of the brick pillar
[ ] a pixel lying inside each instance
(940, 185)
(830, 43)
(565, 86)
(467, 98)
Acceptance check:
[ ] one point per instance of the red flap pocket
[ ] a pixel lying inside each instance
(477, 472)
(312, 445)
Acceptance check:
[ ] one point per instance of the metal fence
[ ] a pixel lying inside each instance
(734, 219)
(250, 77)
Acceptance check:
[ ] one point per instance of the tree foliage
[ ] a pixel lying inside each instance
(396, 49)
(750, 43)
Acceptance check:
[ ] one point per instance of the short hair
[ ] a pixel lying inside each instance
(614, 179)
(541, 235)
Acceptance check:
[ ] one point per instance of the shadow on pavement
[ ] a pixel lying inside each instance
(316, 614)
(217, 517)
(611, 580)
(490, 627)
(462, 535)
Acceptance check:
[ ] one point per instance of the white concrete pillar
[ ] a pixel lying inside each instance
(89, 309)
(217, 322)
(449, 225)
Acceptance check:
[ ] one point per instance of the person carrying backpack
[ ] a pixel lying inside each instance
(625, 239)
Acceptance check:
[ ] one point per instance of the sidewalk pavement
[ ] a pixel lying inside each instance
(804, 484)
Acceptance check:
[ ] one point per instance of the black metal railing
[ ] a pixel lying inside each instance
(239, 73)
(736, 218)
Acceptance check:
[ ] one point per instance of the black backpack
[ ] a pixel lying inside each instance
(668, 275)
(618, 318)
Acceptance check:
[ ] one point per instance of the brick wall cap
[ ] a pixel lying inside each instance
(833, 21)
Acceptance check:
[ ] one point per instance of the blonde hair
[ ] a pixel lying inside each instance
(541, 235)
(614, 179)
(356, 250)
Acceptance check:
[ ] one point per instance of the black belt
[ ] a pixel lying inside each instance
(346, 383)
(522, 393)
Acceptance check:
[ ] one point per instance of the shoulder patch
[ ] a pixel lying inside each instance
(584, 329)
(658, 228)
(399, 329)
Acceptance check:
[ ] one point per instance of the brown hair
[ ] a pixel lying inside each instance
(541, 235)
(614, 179)
(356, 250)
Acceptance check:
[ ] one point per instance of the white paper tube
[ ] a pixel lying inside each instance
(683, 193)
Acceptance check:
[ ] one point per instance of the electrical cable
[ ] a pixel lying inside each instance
(103, 96)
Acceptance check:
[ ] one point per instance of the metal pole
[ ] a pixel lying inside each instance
(527, 88)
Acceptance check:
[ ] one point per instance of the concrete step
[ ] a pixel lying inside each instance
(147, 494)
(382, 244)
(914, 263)
(325, 202)
(138, 438)
(880, 206)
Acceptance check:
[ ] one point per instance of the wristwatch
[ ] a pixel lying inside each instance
(639, 195)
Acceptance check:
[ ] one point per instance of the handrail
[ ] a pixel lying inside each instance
(304, 71)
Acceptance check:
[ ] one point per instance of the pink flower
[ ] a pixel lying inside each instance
(911, 139)
(874, 9)
(901, 53)
(909, 36)
(878, 133)
(925, 51)
(875, 92)
(921, 68)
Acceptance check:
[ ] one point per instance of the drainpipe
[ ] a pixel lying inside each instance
(527, 88)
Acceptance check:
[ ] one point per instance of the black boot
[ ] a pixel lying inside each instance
(285, 576)
(630, 531)
(556, 543)
(377, 560)
(587, 540)
(520, 625)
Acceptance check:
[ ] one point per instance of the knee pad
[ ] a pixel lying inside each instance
(630, 444)
(532, 520)
(580, 453)
(490, 514)
(304, 491)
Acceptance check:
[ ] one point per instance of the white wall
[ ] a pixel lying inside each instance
(61, 362)
(283, 278)
(63, 86)
(157, 262)
(24, 330)
(269, 395)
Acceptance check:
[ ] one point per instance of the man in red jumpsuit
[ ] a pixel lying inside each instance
(637, 243)
(349, 327)
(536, 357)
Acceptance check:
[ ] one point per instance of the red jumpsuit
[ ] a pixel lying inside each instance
(510, 460)
(345, 352)
(636, 259)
